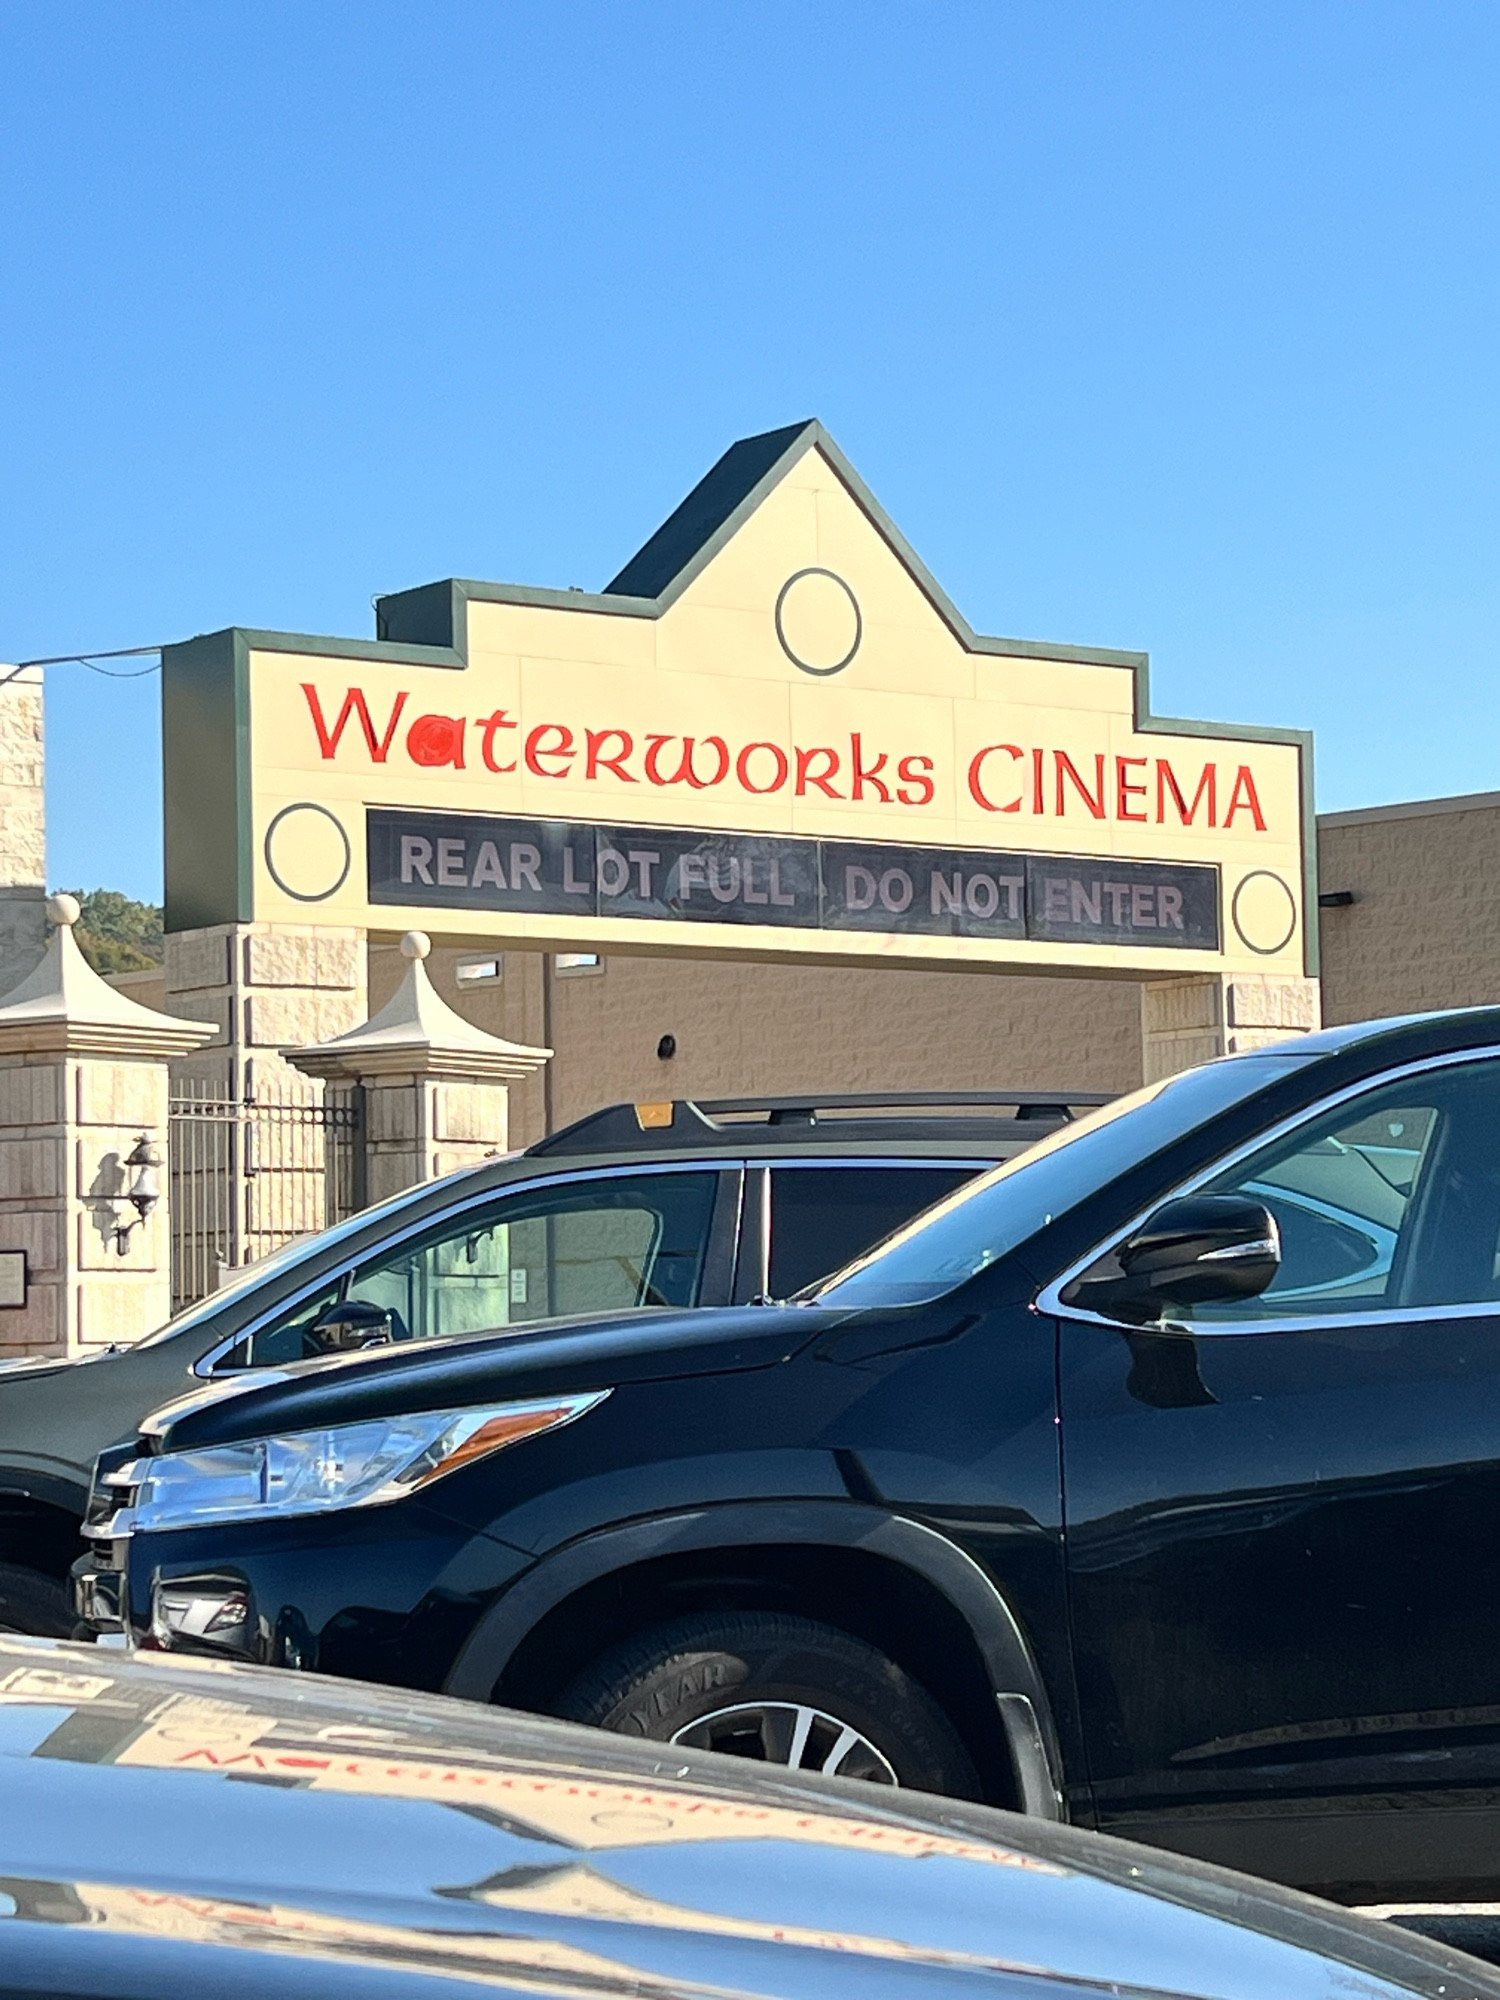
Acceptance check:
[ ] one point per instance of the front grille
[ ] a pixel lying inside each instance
(118, 1476)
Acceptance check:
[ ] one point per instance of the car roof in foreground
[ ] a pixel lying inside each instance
(1447, 1028)
(420, 1843)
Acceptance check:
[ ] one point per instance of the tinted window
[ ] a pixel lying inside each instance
(823, 1217)
(607, 1245)
(1390, 1200)
(994, 1214)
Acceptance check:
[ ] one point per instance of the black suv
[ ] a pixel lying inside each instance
(671, 1204)
(1153, 1478)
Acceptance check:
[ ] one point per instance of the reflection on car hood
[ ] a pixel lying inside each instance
(48, 1364)
(598, 1350)
(239, 1809)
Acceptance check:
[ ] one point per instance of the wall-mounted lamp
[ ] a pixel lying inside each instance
(144, 1191)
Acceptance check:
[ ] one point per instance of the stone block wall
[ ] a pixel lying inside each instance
(265, 986)
(67, 1124)
(1423, 930)
(23, 827)
(419, 1128)
(1189, 1021)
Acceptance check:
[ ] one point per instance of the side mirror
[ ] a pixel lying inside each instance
(353, 1323)
(1203, 1249)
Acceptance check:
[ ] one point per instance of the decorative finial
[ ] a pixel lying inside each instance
(63, 910)
(416, 944)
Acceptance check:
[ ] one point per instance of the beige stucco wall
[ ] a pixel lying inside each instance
(774, 1029)
(1424, 928)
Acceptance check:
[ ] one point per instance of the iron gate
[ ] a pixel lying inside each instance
(249, 1175)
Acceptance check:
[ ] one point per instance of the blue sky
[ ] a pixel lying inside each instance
(1169, 326)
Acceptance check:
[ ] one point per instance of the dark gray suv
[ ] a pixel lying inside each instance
(653, 1205)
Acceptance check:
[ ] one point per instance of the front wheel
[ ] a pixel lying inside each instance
(33, 1603)
(775, 1689)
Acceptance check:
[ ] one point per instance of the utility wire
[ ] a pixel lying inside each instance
(90, 660)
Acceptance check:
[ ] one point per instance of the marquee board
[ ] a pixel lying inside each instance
(771, 735)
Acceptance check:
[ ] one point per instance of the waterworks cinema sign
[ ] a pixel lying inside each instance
(772, 733)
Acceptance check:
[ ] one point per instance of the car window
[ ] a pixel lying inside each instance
(288, 1339)
(607, 1245)
(823, 1217)
(998, 1211)
(303, 1249)
(1388, 1201)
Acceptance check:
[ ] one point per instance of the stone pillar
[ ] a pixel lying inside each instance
(83, 1078)
(264, 986)
(436, 1087)
(1189, 1021)
(23, 826)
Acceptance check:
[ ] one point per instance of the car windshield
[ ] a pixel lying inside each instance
(989, 1217)
(299, 1249)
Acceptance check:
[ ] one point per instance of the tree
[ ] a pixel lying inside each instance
(115, 934)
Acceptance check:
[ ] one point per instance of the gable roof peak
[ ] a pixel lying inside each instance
(699, 524)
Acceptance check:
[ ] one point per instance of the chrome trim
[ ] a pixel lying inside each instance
(97, 1598)
(1234, 1253)
(205, 1364)
(1049, 1298)
(1036, 1789)
(976, 1165)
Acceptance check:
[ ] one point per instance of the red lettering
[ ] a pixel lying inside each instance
(686, 774)
(436, 739)
(538, 747)
(1243, 799)
(1066, 768)
(354, 704)
(742, 768)
(491, 725)
(1124, 789)
(1207, 793)
(823, 779)
(597, 761)
(976, 774)
(867, 774)
(1038, 796)
(914, 771)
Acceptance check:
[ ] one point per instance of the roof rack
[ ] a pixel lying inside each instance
(1010, 1118)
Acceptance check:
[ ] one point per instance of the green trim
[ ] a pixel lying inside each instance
(351, 649)
(207, 831)
(428, 626)
(1247, 732)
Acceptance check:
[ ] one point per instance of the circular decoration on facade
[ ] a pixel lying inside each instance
(307, 852)
(1264, 912)
(818, 622)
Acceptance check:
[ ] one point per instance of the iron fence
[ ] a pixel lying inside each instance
(249, 1175)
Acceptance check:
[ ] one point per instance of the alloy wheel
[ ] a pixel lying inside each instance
(790, 1733)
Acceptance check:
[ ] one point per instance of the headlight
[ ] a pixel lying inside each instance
(315, 1472)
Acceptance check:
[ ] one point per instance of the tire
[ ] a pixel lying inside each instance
(33, 1603)
(775, 1689)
